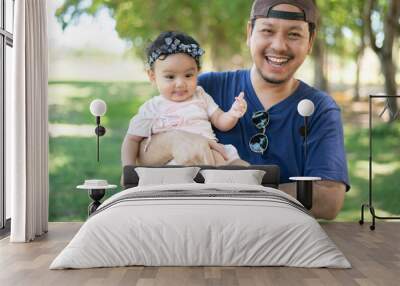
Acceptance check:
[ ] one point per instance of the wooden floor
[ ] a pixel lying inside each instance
(374, 255)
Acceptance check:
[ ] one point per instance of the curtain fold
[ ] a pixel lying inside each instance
(28, 156)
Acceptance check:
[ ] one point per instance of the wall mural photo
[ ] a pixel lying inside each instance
(202, 90)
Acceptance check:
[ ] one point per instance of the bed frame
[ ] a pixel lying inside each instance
(270, 179)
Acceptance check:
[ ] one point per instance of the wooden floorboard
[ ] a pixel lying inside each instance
(374, 255)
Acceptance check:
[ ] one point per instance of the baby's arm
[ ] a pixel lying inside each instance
(130, 149)
(225, 121)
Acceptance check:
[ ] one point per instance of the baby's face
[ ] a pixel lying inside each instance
(175, 76)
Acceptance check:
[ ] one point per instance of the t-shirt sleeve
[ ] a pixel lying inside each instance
(210, 82)
(326, 157)
(141, 123)
(210, 103)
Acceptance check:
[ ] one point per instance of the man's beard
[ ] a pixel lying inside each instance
(270, 80)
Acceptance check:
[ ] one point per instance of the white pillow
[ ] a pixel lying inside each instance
(248, 177)
(165, 176)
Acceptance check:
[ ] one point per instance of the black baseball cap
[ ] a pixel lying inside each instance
(264, 9)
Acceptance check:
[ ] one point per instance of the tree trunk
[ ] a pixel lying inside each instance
(356, 96)
(389, 72)
(359, 56)
(319, 57)
(320, 80)
(219, 49)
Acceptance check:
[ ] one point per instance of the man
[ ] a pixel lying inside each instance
(280, 35)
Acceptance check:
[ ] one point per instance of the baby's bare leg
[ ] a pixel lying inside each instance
(239, 162)
(219, 160)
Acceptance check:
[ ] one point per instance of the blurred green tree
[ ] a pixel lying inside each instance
(341, 32)
(382, 19)
(219, 25)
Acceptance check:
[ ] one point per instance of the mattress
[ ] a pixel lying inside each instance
(201, 225)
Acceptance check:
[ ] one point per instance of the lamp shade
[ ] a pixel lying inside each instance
(305, 107)
(98, 107)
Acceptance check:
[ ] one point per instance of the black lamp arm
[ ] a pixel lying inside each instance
(100, 131)
(305, 136)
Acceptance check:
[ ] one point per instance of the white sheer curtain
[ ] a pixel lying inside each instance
(27, 117)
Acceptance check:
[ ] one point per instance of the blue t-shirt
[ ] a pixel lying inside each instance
(326, 156)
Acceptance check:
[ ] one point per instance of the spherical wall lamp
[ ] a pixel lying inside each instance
(98, 108)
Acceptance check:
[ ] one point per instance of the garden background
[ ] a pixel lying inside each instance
(96, 51)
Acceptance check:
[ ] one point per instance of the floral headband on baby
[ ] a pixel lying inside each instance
(175, 46)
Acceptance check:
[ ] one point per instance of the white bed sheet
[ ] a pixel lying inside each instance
(200, 231)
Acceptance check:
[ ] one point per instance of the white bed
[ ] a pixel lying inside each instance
(203, 225)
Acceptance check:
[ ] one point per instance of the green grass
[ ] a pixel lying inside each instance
(386, 170)
(72, 157)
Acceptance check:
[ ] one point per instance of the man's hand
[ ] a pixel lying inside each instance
(192, 150)
(184, 147)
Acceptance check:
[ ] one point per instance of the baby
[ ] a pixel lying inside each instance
(173, 66)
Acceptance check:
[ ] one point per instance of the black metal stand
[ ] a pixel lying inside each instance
(304, 191)
(370, 203)
(96, 195)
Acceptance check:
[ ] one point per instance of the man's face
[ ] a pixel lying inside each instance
(278, 46)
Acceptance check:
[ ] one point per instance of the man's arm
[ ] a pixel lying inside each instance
(129, 152)
(130, 149)
(328, 197)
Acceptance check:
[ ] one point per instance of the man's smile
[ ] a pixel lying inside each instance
(277, 60)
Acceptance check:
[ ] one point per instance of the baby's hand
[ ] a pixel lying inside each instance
(239, 107)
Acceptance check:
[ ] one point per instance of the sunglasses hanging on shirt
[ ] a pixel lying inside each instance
(259, 142)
